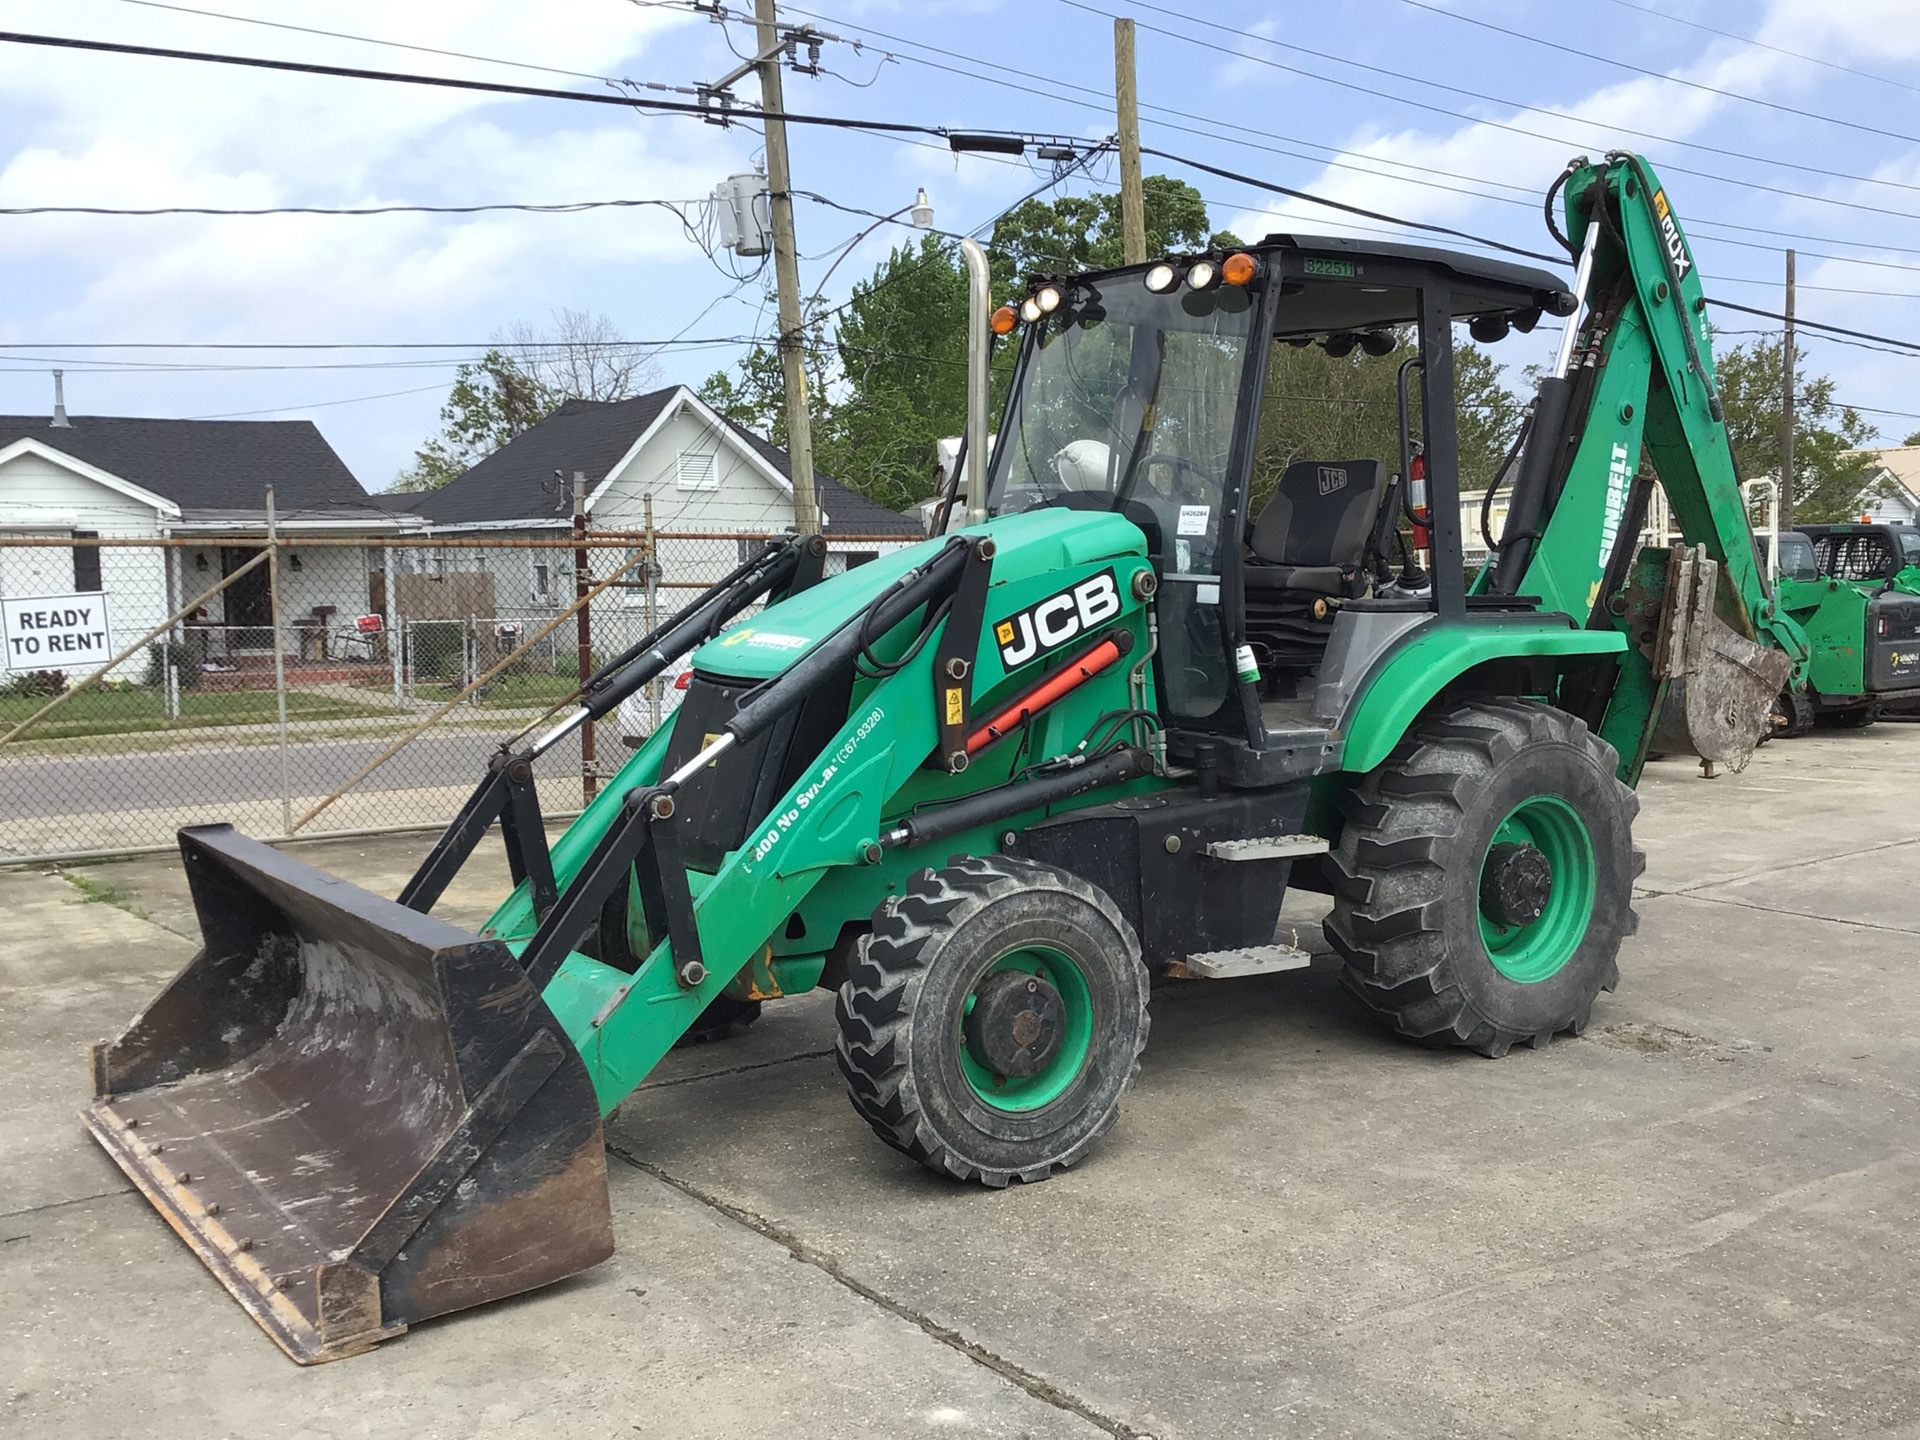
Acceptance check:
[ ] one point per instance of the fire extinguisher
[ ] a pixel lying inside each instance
(1417, 500)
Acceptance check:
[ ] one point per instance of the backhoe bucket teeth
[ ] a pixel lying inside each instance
(358, 1116)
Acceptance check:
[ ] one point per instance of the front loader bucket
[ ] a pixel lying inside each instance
(358, 1116)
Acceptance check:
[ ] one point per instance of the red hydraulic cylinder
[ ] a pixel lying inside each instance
(1064, 681)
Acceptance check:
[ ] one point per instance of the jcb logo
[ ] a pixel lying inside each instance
(1332, 478)
(1670, 235)
(1057, 619)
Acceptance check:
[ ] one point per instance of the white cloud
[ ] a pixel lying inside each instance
(130, 132)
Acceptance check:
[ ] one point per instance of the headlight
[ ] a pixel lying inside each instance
(1030, 310)
(1048, 298)
(1161, 278)
(1202, 275)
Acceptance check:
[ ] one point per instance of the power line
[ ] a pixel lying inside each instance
(446, 82)
(1397, 96)
(316, 404)
(369, 40)
(1659, 74)
(1801, 321)
(1763, 45)
(1696, 223)
(567, 207)
(1360, 210)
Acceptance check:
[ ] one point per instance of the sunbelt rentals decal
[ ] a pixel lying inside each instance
(1670, 236)
(1057, 619)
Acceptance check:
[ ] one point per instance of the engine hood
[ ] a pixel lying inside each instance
(1031, 543)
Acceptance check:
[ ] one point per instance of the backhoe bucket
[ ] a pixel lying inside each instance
(358, 1116)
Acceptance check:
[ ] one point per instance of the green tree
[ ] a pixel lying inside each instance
(1082, 232)
(1327, 407)
(519, 382)
(1829, 483)
(492, 401)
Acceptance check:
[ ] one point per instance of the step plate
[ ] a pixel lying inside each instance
(1270, 847)
(1232, 964)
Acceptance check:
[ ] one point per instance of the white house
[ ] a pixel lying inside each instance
(1892, 493)
(91, 478)
(710, 488)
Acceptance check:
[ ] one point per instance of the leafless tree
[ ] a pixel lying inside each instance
(581, 356)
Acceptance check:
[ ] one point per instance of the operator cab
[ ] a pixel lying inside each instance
(1256, 415)
(1865, 551)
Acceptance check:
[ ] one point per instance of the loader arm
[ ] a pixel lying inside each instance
(1637, 380)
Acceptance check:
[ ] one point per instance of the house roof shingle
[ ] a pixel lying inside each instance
(592, 436)
(204, 464)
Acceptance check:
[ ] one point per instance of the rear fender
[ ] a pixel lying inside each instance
(1411, 676)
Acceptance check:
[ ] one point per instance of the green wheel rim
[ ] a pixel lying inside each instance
(1051, 1081)
(1531, 953)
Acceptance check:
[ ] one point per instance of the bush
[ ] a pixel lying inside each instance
(185, 672)
(35, 685)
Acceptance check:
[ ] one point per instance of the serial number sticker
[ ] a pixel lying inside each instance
(1314, 265)
(1194, 519)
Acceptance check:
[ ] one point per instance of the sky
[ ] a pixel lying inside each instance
(1797, 127)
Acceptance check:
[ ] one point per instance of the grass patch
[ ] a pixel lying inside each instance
(97, 892)
(511, 692)
(123, 712)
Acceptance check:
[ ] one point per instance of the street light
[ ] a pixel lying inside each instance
(919, 214)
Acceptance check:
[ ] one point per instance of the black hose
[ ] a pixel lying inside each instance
(1553, 227)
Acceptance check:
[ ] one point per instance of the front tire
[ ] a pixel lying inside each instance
(993, 1019)
(1484, 878)
(1793, 714)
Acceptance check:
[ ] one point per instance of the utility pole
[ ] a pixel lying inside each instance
(583, 627)
(1786, 409)
(786, 273)
(1133, 209)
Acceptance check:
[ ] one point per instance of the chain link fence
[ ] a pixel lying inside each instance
(315, 685)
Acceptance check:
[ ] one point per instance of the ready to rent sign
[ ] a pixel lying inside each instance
(56, 632)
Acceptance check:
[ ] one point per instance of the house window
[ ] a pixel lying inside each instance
(841, 561)
(86, 562)
(697, 470)
(543, 582)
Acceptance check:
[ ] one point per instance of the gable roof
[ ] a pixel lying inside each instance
(203, 464)
(1901, 464)
(595, 437)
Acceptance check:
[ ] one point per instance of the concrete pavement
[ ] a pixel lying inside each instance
(1695, 1221)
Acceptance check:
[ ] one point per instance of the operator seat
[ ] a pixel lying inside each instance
(1312, 535)
(1309, 542)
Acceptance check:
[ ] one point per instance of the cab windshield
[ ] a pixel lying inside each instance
(1125, 400)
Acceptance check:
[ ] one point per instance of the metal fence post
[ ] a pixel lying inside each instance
(582, 583)
(653, 614)
(388, 555)
(279, 664)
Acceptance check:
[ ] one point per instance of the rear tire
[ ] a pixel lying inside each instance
(1500, 811)
(993, 965)
(1856, 718)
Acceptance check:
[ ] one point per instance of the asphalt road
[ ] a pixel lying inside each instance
(212, 773)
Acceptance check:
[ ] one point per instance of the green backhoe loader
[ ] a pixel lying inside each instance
(989, 789)
(1855, 590)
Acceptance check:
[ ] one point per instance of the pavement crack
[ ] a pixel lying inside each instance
(736, 1070)
(1037, 1386)
(62, 1204)
(1797, 914)
(1766, 870)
